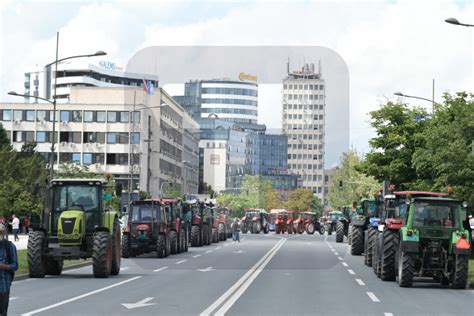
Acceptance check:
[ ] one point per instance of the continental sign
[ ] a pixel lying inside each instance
(246, 77)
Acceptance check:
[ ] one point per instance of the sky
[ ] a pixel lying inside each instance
(387, 46)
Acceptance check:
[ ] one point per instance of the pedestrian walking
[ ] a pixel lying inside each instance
(15, 227)
(235, 230)
(8, 266)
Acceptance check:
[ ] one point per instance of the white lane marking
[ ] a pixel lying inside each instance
(160, 269)
(142, 303)
(233, 289)
(181, 261)
(360, 282)
(196, 256)
(238, 251)
(373, 297)
(217, 248)
(206, 269)
(13, 298)
(339, 258)
(125, 268)
(336, 254)
(226, 245)
(387, 314)
(209, 251)
(344, 264)
(350, 271)
(36, 311)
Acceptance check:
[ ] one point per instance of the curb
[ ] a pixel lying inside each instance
(25, 276)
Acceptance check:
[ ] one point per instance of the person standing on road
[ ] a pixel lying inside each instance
(8, 266)
(235, 230)
(15, 227)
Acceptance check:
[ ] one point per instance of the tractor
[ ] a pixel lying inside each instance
(433, 242)
(342, 225)
(214, 223)
(387, 239)
(200, 217)
(250, 222)
(331, 222)
(308, 222)
(280, 221)
(260, 222)
(290, 226)
(272, 216)
(147, 230)
(178, 234)
(359, 224)
(372, 229)
(78, 222)
(224, 222)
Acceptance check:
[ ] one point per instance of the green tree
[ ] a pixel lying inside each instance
(354, 182)
(399, 133)
(447, 159)
(172, 191)
(316, 205)
(254, 191)
(300, 200)
(4, 140)
(273, 200)
(72, 170)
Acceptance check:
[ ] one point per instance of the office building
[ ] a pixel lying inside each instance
(304, 125)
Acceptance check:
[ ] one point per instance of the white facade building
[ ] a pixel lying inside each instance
(304, 124)
(80, 73)
(122, 131)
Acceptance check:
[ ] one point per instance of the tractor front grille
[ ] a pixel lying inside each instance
(68, 225)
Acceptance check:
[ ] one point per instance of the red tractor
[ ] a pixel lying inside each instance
(147, 230)
(200, 218)
(178, 228)
(281, 221)
(308, 222)
(224, 217)
(290, 226)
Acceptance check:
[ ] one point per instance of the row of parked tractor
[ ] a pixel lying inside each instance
(280, 221)
(408, 236)
(170, 226)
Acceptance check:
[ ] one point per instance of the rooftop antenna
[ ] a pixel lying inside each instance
(288, 66)
(320, 69)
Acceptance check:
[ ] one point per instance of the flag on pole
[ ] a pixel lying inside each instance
(148, 86)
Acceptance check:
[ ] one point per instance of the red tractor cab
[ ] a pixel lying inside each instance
(281, 221)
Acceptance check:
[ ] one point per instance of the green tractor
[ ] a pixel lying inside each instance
(342, 225)
(77, 223)
(433, 242)
(360, 223)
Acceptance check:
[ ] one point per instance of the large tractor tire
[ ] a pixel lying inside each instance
(182, 241)
(168, 245)
(339, 232)
(161, 246)
(310, 228)
(186, 240)
(256, 227)
(277, 229)
(244, 229)
(376, 258)
(102, 254)
(460, 272)
(329, 229)
(36, 262)
(368, 253)
(116, 249)
(390, 240)
(406, 268)
(357, 246)
(53, 267)
(221, 231)
(126, 251)
(349, 236)
(215, 235)
(195, 236)
(266, 229)
(173, 242)
(206, 233)
(322, 229)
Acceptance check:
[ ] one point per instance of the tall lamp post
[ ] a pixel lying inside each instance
(400, 94)
(55, 62)
(456, 22)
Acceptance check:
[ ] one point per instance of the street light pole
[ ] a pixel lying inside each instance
(400, 94)
(53, 141)
(456, 22)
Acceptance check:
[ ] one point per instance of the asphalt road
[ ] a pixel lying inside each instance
(263, 275)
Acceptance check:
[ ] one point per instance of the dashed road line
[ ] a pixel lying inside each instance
(339, 258)
(181, 261)
(336, 254)
(196, 256)
(360, 282)
(209, 251)
(160, 269)
(373, 297)
(387, 314)
(217, 248)
(350, 271)
(344, 264)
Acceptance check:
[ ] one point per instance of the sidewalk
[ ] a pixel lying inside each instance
(22, 244)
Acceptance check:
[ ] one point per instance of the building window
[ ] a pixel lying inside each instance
(123, 117)
(76, 157)
(17, 137)
(136, 138)
(30, 115)
(65, 116)
(290, 86)
(111, 138)
(111, 117)
(77, 116)
(41, 137)
(88, 116)
(7, 115)
(41, 115)
(87, 158)
(284, 86)
(321, 87)
(136, 117)
(100, 116)
(18, 115)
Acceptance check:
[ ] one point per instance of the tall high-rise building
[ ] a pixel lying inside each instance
(304, 124)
